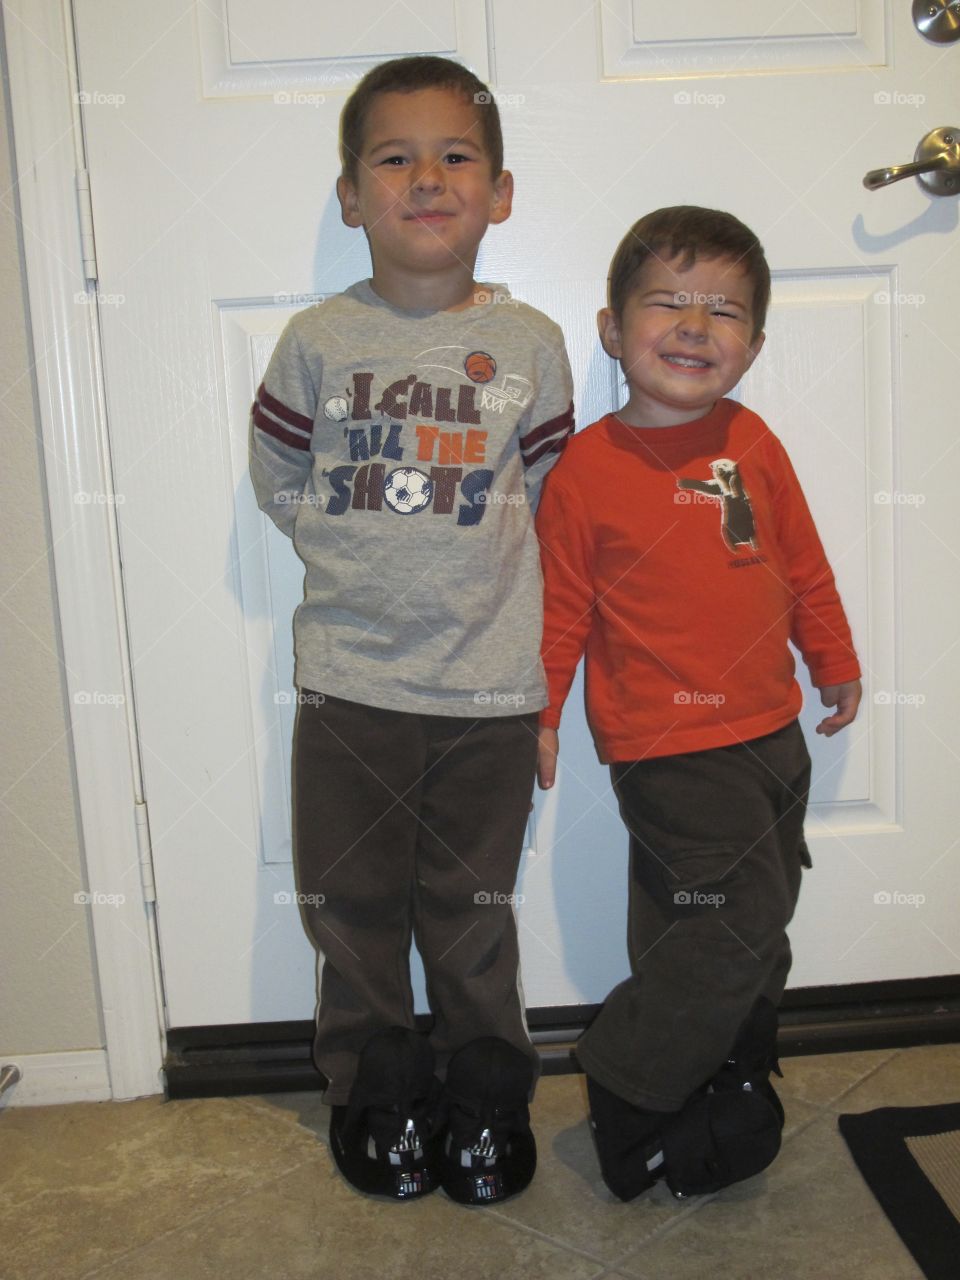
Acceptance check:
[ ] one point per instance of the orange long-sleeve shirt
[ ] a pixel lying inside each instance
(681, 560)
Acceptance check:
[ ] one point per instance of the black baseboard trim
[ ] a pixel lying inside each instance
(274, 1057)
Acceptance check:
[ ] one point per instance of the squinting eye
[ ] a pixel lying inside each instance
(393, 160)
(455, 157)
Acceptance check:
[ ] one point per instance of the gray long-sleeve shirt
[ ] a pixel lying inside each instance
(404, 452)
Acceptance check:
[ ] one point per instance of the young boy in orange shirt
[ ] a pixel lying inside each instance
(680, 556)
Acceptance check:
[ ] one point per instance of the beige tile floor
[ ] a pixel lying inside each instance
(245, 1188)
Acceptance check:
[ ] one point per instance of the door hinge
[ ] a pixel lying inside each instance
(88, 248)
(143, 849)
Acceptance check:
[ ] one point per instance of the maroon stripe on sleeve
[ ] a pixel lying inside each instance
(272, 428)
(548, 446)
(280, 410)
(562, 423)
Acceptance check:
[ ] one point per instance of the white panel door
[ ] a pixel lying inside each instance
(211, 136)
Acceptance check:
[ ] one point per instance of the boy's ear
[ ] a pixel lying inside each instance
(502, 197)
(609, 328)
(755, 346)
(349, 202)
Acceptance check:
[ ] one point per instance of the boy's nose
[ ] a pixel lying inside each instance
(693, 323)
(429, 177)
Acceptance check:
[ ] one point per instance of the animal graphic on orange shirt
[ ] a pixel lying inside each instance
(737, 526)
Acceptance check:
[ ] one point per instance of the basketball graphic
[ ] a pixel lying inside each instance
(480, 366)
(407, 490)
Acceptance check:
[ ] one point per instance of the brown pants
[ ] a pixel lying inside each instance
(716, 850)
(410, 826)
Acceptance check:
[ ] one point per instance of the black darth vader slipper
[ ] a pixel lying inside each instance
(383, 1140)
(719, 1139)
(488, 1151)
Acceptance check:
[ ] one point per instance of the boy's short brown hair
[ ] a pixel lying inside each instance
(407, 75)
(688, 232)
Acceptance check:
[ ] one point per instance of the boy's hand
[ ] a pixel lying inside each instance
(846, 698)
(547, 758)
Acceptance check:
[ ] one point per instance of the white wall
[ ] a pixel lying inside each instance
(47, 975)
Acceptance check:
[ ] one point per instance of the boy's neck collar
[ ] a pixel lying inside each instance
(478, 295)
(426, 296)
(683, 432)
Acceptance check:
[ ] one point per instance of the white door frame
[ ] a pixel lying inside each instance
(43, 85)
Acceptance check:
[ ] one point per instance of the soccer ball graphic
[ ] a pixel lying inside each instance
(407, 490)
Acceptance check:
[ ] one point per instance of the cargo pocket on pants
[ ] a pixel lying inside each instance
(692, 883)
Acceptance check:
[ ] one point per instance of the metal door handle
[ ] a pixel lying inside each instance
(937, 20)
(936, 165)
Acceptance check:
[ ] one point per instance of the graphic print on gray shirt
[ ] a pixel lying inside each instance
(403, 451)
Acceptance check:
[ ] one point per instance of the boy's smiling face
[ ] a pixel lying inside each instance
(424, 193)
(684, 340)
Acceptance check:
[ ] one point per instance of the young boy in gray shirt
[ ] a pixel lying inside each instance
(400, 437)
